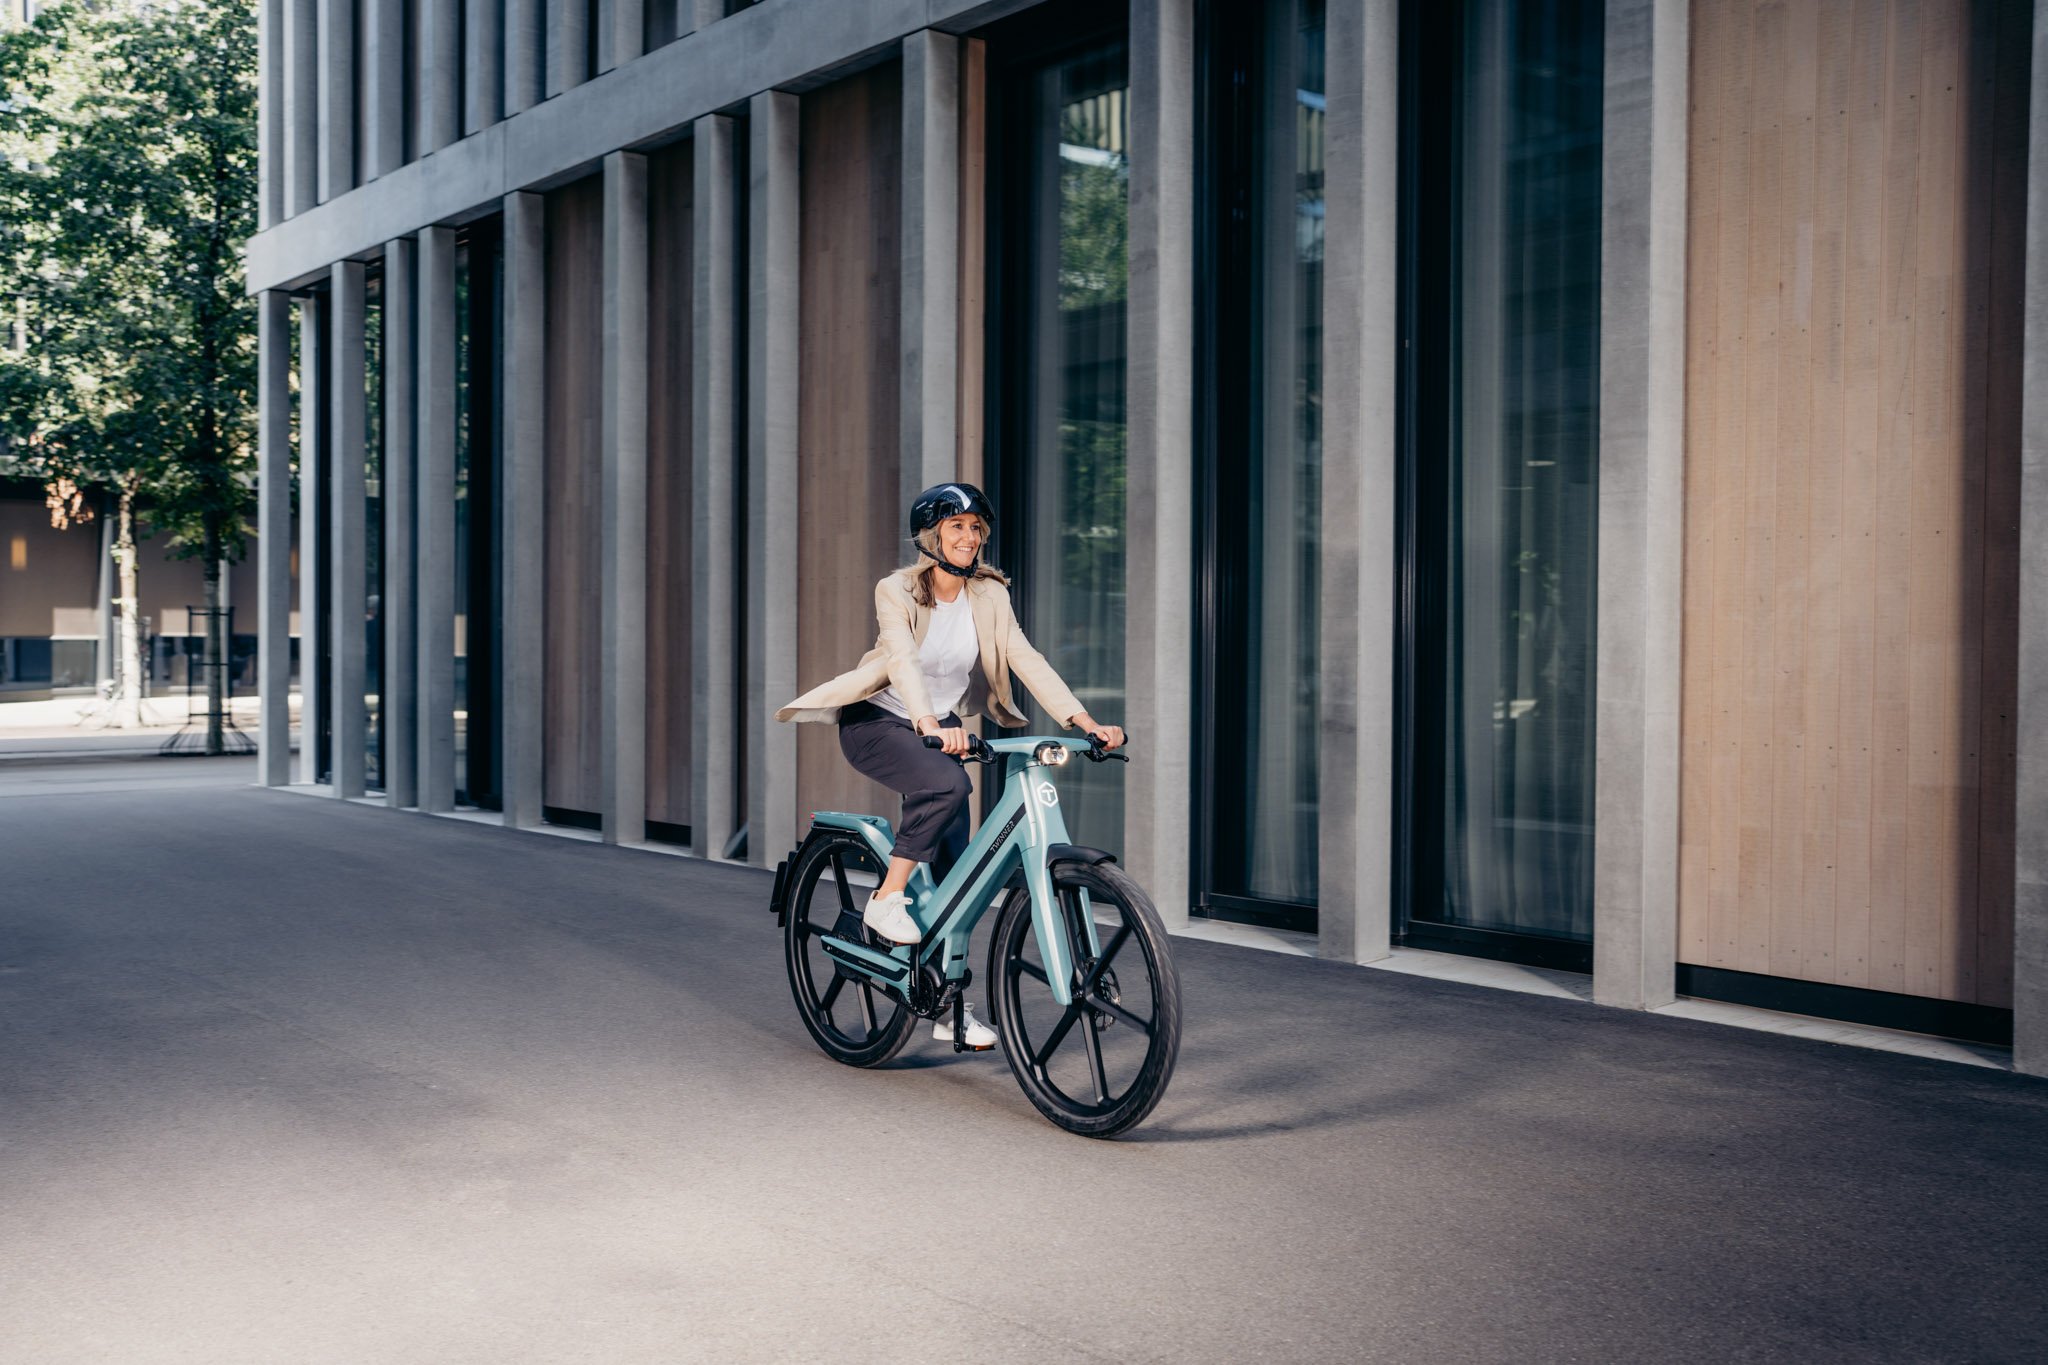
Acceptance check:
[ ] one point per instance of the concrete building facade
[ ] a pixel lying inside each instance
(1551, 480)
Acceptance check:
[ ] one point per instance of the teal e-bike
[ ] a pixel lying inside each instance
(1081, 983)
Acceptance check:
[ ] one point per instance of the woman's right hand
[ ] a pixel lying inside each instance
(954, 740)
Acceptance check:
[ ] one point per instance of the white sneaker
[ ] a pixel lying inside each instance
(889, 916)
(981, 1037)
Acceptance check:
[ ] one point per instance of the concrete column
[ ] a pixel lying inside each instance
(383, 56)
(625, 35)
(2030, 870)
(1361, 458)
(702, 13)
(623, 419)
(301, 106)
(772, 379)
(337, 115)
(524, 517)
(312, 536)
(440, 75)
(270, 134)
(434, 533)
(714, 463)
(483, 65)
(526, 54)
(348, 593)
(274, 536)
(1158, 660)
(1642, 505)
(568, 45)
(401, 615)
(929, 373)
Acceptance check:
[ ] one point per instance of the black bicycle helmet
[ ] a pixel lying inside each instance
(944, 500)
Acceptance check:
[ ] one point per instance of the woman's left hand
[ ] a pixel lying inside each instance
(1112, 736)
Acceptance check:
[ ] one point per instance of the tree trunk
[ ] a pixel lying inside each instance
(128, 676)
(216, 653)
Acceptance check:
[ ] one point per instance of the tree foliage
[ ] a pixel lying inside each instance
(127, 193)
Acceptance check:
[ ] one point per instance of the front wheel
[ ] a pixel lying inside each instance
(1098, 1066)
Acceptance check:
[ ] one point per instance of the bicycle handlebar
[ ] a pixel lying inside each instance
(979, 750)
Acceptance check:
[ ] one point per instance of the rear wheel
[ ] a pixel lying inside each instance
(853, 1020)
(1097, 1066)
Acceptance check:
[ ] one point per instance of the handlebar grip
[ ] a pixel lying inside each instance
(932, 741)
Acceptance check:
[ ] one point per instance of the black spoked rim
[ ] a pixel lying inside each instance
(852, 1019)
(1099, 1064)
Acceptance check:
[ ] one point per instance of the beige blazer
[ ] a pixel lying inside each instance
(900, 626)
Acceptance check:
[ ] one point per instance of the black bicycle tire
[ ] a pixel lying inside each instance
(812, 858)
(1012, 922)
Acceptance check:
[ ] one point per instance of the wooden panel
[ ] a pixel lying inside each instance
(571, 713)
(850, 524)
(670, 267)
(1857, 196)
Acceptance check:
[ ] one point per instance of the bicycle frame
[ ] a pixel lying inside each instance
(1020, 832)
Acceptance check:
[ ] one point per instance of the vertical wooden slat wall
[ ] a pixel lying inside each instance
(570, 709)
(849, 525)
(1857, 202)
(670, 271)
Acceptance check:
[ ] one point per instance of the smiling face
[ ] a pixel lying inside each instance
(960, 538)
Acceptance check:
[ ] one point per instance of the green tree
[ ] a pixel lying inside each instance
(126, 198)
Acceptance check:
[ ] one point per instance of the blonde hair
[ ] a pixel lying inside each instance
(921, 569)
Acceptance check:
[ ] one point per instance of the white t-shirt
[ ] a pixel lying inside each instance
(949, 651)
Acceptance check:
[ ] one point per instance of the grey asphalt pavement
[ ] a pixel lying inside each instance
(284, 1080)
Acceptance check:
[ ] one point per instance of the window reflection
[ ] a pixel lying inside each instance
(1073, 455)
(1509, 257)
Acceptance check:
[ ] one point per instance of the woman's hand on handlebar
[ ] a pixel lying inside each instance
(953, 741)
(1111, 736)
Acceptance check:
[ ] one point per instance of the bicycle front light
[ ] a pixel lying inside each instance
(1052, 754)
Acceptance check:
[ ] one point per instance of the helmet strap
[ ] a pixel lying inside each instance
(949, 567)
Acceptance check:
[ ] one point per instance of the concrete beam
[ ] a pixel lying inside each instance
(384, 41)
(522, 569)
(440, 77)
(1642, 505)
(654, 99)
(273, 537)
(623, 424)
(347, 556)
(526, 54)
(929, 372)
(772, 378)
(2030, 868)
(270, 105)
(1361, 461)
(312, 536)
(400, 681)
(1158, 652)
(483, 64)
(301, 106)
(568, 46)
(714, 465)
(337, 114)
(434, 534)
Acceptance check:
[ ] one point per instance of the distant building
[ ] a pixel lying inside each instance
(57, 613)
(1539, 479)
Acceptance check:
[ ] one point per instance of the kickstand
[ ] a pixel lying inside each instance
(960, 1021)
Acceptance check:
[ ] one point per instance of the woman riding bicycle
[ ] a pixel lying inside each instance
(946, 644)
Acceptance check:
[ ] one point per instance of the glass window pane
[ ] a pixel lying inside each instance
(1073, 457)
(1506, 484)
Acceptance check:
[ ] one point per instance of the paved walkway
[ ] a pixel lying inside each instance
(285, 1081)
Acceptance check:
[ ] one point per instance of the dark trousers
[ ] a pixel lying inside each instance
(933, 786)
